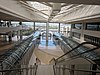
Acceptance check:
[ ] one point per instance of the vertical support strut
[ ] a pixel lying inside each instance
(59, 28)
(34, 26)
(47, 31)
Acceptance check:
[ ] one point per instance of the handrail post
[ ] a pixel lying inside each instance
(72, 71)
(1, 69)
(94, 67)
(54, 69)
(27, 70)
(59, 69)
(63, 69)
(35, 68)
(31, 69)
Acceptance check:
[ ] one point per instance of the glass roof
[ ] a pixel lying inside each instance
(56, 13)
(65, 8)
(41, 7)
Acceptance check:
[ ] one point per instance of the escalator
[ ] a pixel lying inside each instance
(77, 50)
(11, 58)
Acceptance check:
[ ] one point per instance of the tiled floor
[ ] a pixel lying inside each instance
(50, 48)
(45, 70)
(46, 51)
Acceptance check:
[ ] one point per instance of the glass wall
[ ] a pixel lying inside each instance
(77, 26)
(40, 26)
(28, 28)
(65, 29)
(93, 26)
(28, 25)
(53, 27)
(14, 23)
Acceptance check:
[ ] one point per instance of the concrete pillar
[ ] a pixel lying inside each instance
(67, 31)
(71, 33)
(0, 23)
(18, 34)
(4, 23)
(8, 23)
(20, 23)
(64, 31)
(82, 32)
(34, 26)
(21, 35)
(59, 28)
(5, 37)
(10, 36)
(47, 31)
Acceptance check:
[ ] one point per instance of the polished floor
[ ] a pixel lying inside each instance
(46, 51)
(45, 70)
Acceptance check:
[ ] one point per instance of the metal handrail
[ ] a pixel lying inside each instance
(18, 53)
(85, 52)
(16, 69)
(79, 70)
(26, 69)
(78, 47)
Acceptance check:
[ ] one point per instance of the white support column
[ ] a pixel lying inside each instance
(82, 33)
(71, 33)
(21, 35)
(10, 36)
(34, 26)
(59, 28)
(47, 31)
(18, 34)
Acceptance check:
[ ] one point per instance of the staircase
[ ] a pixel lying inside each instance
(48, 70)
(45, 70)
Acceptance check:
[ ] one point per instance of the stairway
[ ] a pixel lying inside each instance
(45, 70)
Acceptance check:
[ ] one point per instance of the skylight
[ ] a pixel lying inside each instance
(41, 7)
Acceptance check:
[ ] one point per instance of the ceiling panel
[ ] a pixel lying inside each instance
(4, 16)
(91, 2)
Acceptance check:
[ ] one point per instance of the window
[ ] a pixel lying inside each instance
(93, 26)
(99, 28)
(77, 26)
